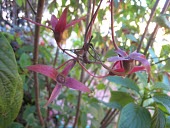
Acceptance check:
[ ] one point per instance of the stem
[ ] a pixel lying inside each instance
(32, 8)
(146, 28)
(78, 102)
(150, 41)
(112, 26)
(87, 33)
(108, 118)
(35, 61)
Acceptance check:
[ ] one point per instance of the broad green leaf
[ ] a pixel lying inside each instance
(125, 82)
(163, 99)
(134, 116)
(112, 105)
(16, 125)
(158, 119)
(148, 102)
(162, 86)
(83, 120)
(168, 122)
(95, 124)
(121, 98)
(11, 91)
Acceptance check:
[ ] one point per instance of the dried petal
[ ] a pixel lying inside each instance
(73, 83)
(45, 70)
(54, 94)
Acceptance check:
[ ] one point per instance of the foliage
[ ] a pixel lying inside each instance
(11, 91)
(128, 76)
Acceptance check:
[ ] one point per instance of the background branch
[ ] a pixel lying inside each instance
(35, 61)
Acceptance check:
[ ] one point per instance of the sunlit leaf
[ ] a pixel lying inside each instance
(125, 82)
(163, 99)
(131, 37)
(121, 98)
(163, 21)
(162, 86)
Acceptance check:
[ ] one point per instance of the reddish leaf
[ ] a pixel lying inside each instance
(73, 83)
(74, 22)
(45, 70)
(61, 24)
(54, 94)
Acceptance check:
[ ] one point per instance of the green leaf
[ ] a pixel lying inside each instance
(11, 91)
(24, 60)
(83, 120)
(16, 125)
(121, 98)
(163, 99)
(163, 21)
(134, 116)
(125, 82)
(167, 65)
(112, 105)
(100, 86)
(19, 2)
(158, 119)
(162, 86)
(168, 122)
(143, 78)
(131, 37)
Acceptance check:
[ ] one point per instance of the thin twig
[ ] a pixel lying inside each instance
(150, 41)
(32, 8)
(112, 25)
(146, 28)
(36, 41)
(78, 102)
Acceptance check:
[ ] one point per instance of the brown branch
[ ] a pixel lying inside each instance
(78, 102)
(112, 25)
(150, 41)
(36, 41)
(110, 116)
(32, 8)
(146, 28)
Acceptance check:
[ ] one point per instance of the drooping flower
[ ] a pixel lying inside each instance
(126, 63)
(59, 25)
(61, 78)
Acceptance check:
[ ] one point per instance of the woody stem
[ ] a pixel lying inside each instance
(36, 41)
(112, 26)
